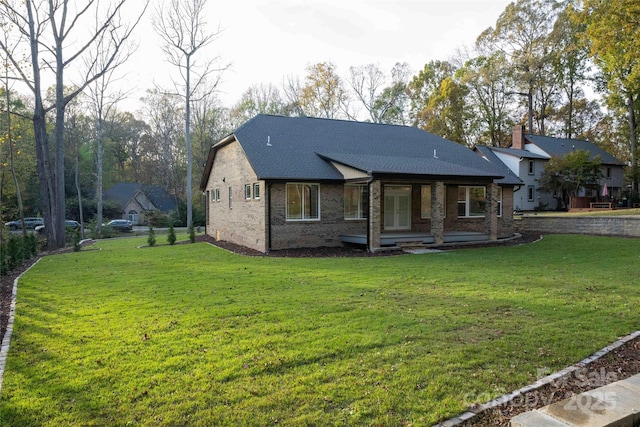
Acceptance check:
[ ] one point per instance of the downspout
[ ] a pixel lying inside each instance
(269, 217)
(369, 214)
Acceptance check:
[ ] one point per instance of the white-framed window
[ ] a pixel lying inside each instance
(303, 201)
(230, 198)
(532, 167)
(356, 201)
(607, 173)
(425, 201)
(213, 195)
(256, 190)
(217, 194)
(247, 191)
(499, 201)
(531, 193)
(472, 201)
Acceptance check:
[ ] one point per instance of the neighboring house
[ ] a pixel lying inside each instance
(528, 155)
(290, 182)
(136, 201)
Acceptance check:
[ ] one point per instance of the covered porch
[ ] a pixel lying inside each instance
(431, 212)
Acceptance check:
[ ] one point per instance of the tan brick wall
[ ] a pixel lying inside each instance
(323, 233)
(244, 222)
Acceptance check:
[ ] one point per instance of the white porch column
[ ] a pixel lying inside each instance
(491, 211)
(374, 216)
(438, 211)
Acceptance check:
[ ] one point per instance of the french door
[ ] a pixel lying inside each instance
(397, 208)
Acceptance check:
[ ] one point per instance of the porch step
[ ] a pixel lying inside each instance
(412, 246)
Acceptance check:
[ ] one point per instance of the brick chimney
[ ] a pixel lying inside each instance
(517, 140)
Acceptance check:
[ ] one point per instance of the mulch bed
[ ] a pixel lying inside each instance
(619, 364)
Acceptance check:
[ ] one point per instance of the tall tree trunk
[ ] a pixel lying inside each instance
(188, 139)
(59, 188)
(40, 134)
(11, 164)
(79, 193)
(99, 184)
(633, 144)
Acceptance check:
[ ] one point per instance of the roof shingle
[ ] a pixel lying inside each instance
(298, 148)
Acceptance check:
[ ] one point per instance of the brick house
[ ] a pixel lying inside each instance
(528, 155)
(291, 182)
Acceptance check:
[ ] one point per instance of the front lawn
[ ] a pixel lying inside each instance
(194, 335)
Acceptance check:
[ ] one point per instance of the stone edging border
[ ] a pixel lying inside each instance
(538, 384)
(4, 350)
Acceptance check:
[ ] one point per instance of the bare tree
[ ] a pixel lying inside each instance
(182, 28)
(103, 105)
(384, 102)
(57, 35)
(9, 131)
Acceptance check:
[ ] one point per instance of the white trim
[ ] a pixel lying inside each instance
(467, 199)
(398, 190)
(286, 208)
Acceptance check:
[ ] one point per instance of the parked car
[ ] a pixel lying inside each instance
(29, 222)
(123, 225)
(68, 223)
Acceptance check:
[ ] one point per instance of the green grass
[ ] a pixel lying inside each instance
(194, 335)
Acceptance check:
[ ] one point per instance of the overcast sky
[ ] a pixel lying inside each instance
(266, 41)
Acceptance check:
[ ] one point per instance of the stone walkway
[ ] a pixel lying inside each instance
(616, 404)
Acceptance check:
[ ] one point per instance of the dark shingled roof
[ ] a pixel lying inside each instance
(302, 148)
(488, 154)
(561, 146)
(122, 192)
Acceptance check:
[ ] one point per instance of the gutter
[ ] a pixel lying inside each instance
(369, 181)
(269, 235)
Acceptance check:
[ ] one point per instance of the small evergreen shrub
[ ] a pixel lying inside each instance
(192, 234)
(30, 246)
(15, 252)
(171, 238)
(76, 240)
(151, 240)
(4, 266)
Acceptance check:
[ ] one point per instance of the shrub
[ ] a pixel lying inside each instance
(30, 245)
(192, 234)
(151, 240)
(4, 266)
(15, 252)
(76, 240)
(171, 238)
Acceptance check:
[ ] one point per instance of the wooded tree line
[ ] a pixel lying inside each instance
(562, 68)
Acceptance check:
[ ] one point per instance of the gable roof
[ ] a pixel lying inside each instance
(123, 192)
(488, 154)
(298, 148)
(559, 147)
